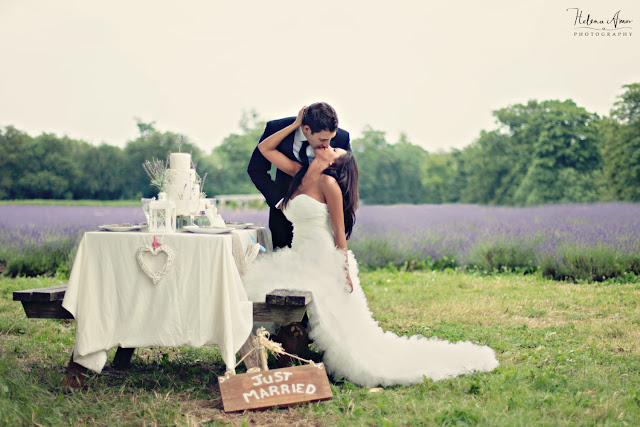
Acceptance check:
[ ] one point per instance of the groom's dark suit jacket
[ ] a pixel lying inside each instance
(281, 228)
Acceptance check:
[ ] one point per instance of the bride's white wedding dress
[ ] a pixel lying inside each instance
(341, 324)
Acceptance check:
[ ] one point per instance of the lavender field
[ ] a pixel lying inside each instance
(575, 242)
(555, 239)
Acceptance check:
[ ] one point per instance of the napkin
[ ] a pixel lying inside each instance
(215, 220)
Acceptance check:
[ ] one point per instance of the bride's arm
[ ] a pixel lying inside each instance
(333, 196)
(268, 148)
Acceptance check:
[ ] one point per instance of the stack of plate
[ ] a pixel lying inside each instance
(238, 225)
(122, 227)
(206, 229)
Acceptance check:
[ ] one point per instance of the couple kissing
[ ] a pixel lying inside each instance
(312, 204)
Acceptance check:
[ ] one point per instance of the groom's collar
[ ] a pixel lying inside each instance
(299, 136)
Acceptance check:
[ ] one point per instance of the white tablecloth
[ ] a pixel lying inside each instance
(201, 300)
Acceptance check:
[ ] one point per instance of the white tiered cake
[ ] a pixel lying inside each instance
(183, 186)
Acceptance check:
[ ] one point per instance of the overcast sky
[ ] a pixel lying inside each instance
(434, 70)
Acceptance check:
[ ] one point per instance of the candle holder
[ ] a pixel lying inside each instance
(162, 215)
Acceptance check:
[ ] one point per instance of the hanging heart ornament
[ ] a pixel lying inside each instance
(155, 250)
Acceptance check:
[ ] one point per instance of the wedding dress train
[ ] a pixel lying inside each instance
(340, 323)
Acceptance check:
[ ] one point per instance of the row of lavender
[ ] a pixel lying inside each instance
(579, 242)
(572, 241)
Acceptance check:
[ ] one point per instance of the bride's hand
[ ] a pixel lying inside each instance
(349, 286)
(298, 121)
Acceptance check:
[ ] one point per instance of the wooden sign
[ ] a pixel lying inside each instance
(278, 387)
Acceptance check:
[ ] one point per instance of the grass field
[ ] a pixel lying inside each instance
(569, 355)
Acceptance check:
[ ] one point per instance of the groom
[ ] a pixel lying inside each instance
(319, 129)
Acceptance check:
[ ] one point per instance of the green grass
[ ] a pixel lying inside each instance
(569, 355)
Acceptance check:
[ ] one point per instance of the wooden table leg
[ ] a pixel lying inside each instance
(253, 359)
(122, 358)
(75, 376)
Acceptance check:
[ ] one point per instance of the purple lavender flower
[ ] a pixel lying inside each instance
(443, 235)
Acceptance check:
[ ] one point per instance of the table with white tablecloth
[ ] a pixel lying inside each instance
(200, 301)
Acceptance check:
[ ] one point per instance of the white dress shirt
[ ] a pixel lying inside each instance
(298, 138)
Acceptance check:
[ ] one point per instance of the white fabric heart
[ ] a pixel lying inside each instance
(171, 257)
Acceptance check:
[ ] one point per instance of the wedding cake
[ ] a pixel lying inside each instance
(183, 187)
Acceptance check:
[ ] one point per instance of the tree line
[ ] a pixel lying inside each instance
(541, 152)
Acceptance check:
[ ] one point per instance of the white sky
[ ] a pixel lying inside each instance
(434, 70)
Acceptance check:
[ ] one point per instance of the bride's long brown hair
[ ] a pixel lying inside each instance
(345, 172)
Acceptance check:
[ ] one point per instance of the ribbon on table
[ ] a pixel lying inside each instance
(245, 258)
(264, 238)
(262, 248)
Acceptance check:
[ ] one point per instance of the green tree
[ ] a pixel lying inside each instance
(621, 146)
(367, 150)
(627, 107)
(488, 163)
(145, 128)
(439, 177)
(228, 162)
(50, 170)
(517, 122)
(410, 171)
(13, 148)
(104, 173)
(565, 157)
(543, 152)
(389, 173)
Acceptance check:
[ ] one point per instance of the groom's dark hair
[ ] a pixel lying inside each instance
(320, 116)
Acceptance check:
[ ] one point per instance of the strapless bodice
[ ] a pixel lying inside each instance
(311, 222)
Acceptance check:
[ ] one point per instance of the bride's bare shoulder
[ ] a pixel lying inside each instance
(327, 180)
(329, 184)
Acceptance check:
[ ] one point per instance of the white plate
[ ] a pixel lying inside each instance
(120, 227)
(206, 230)
(238, 225)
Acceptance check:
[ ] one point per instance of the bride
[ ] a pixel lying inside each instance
(321, 204)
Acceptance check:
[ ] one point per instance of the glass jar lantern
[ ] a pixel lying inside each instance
(162, 215)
